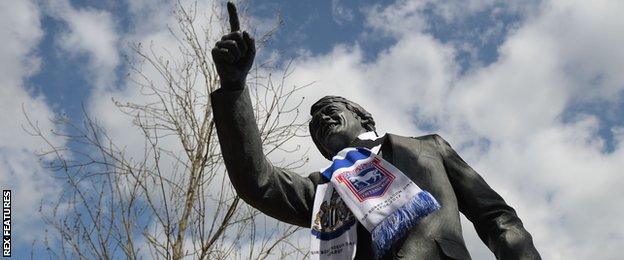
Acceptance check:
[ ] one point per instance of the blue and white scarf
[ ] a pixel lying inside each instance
(364, 188)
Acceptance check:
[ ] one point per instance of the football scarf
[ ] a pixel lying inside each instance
(364, 188)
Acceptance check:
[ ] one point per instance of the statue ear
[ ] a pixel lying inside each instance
(368, 125)
(363, 122)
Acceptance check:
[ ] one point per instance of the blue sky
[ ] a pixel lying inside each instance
(531, 93)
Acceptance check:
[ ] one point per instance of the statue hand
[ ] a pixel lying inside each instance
(233, 55)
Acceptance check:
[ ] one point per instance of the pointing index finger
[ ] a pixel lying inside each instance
(234, 24)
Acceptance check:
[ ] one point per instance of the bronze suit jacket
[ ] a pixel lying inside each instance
(428, 160)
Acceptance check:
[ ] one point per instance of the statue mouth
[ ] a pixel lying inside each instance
(330, 127)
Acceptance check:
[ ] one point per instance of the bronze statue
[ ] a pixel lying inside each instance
(429, 161)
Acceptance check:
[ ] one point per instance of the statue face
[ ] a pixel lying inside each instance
(334, 127)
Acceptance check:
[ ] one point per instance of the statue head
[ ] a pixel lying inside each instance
(336, 122)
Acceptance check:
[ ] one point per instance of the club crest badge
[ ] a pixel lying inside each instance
(368, 180)
(333, 218)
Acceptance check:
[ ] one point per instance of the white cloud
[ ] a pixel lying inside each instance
(92, 33)
(20, 170)
(587, 39)
(398, 18)
(340, 13)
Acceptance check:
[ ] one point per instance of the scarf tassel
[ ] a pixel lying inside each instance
(401, 220)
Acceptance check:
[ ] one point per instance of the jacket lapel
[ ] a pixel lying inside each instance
(403, 153)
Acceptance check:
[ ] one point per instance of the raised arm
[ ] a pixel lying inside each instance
(281, 194)
(496, 223)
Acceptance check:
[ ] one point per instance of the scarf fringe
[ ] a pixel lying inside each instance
(401, 220)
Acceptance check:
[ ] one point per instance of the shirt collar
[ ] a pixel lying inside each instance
(369, 136)
(372, 135)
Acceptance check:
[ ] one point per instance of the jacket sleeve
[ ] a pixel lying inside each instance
(496, 223)
(279, 193)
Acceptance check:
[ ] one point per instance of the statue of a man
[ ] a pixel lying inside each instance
(337, 123)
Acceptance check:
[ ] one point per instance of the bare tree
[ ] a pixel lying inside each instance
(173, 200)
